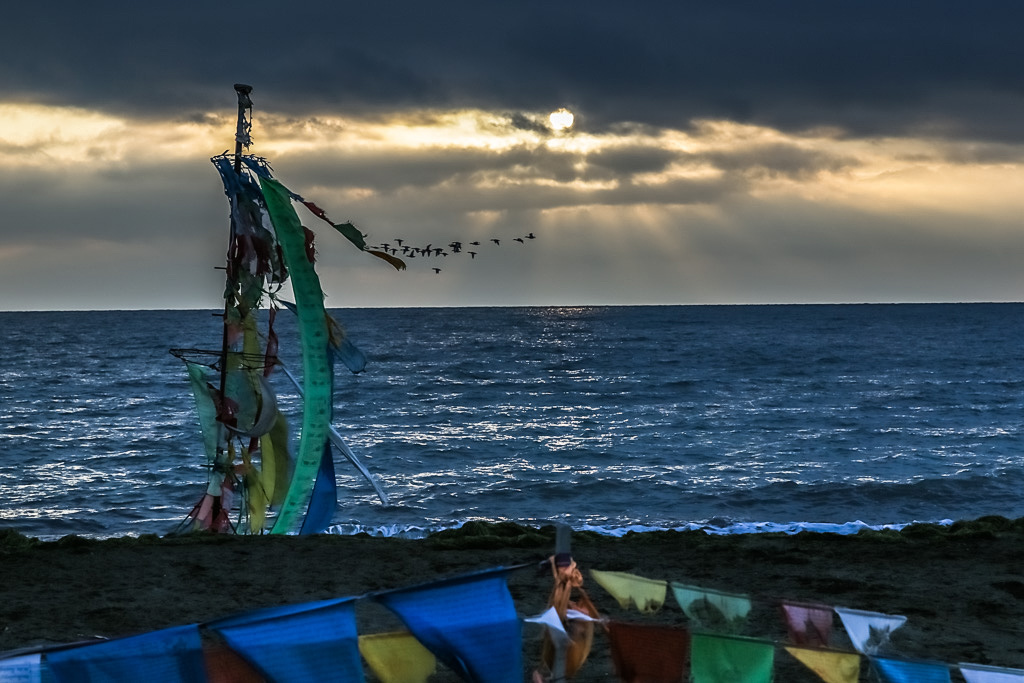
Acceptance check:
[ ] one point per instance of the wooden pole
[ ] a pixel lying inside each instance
(241, 140)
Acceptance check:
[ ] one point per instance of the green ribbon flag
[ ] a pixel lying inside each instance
(316, 369)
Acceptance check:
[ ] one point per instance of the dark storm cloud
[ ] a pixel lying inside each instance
(869, 66)
(778, 159)
(433, 182)
(631, 159)
(116, 205)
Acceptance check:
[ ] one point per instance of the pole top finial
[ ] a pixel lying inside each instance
(243, 91)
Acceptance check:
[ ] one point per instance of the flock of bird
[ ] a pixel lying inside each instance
(398, 247)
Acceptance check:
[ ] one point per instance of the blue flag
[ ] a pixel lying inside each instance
(173, 655)
(314, 641)
(904, 671)
(468, 622)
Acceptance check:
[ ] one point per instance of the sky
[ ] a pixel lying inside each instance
(739, 152)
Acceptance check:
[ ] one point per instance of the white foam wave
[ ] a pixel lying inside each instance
(715, 527)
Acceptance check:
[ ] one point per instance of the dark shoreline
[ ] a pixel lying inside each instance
(961, 586)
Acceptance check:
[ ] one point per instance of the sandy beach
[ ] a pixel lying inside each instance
(960, 587)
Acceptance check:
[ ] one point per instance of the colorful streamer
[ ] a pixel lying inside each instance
(469, 623)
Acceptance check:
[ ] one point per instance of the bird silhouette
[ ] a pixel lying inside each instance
(531, 236)
(496, 241)
(437, 270)
(399, 241)
(472, 254)
(518, 239)
(475, 244)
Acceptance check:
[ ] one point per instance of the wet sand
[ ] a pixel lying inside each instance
(961, 587)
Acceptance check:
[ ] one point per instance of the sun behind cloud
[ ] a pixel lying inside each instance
(561, 119)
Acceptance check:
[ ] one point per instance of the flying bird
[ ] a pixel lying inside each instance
(472, 254)
(496, 241)
(437, 270)
(531, 236)
(518, 239)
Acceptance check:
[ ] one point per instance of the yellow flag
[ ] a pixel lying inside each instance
(397, 657)
(647, 594)
(831, 666)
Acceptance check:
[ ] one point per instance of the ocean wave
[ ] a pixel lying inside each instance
(713, 527)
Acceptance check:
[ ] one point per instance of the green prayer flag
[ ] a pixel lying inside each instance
(208, 424)
(316, 370)
(730, 659)
(351, 233)
(713, 610)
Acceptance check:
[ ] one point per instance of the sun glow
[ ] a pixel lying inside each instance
(561, 119)
(36, 135)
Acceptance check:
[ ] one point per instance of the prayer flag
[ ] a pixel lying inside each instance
(23, 669)
(468, 622)
(713, 610)
(831, 666)
(628, 589)
(649, 653)
(552, 624)
(208, 424)
(316, 370)
(224, 665)
(314, 641)
(976, 673)
(324, 499)
(397, 657)
(352, 234)
(869, 631)
(173, 655)
(906, 671)
(808, 624)
(730, 659)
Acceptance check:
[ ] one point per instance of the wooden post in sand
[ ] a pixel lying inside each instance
(563, 558)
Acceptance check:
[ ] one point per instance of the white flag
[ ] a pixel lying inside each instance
(976, 673)
(869, 631)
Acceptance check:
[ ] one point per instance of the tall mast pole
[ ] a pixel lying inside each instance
(242, 140)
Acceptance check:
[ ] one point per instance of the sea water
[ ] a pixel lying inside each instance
(728, 418)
